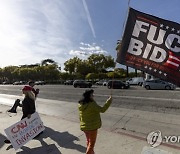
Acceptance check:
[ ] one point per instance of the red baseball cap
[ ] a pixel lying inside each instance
(27, 88)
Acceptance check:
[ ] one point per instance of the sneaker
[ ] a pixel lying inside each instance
(7, 141)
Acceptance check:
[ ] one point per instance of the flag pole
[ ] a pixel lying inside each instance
(118, 43)
(127, 12)
(124, 23)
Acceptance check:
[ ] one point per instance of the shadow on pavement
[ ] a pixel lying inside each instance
(2, 138)
(61, 139)
(41, 150)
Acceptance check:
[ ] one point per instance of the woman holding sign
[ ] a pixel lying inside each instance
(28, 103)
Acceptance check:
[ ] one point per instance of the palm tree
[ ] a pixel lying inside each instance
(118, 47)
(47, 62)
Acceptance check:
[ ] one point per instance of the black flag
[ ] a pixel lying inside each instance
(151, 44)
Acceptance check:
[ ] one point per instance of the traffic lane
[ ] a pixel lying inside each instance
(139, 91)
(134, 98)
(136, 91)
(64, 92)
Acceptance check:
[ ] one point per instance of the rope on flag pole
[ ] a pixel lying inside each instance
(124, 23)
(112, 81)
(119, 43)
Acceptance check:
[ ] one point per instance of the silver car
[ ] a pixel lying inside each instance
(158, 84)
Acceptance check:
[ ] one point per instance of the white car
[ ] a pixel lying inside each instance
(135, 81)
(100, 83)
(105, 83)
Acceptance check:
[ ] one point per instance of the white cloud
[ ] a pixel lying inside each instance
(86, 44)
(31, 31)
(77, 53)
(89, 18)
(12, 34)
(88, 49)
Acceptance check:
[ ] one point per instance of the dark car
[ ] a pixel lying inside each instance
(6, 82)
(68, 82)
(117, 84)
(82, 84)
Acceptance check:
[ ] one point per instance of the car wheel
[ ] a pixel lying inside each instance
(109, 87)
(147, 87)
(140, 84)
(123, 87)
(75, 86)
(167, 87)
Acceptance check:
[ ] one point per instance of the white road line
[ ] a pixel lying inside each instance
(144, 98)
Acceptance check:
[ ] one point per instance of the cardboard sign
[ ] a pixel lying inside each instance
(25, 130)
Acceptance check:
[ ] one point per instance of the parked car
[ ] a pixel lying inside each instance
(105, 83)
(158, 84)
(100, 82)
(82, 84)
(40, 83)
(117, 84)
(6, 82)
(19, 82)
(136, 81)
(69, 82)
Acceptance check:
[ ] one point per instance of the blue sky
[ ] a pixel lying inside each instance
(33, 30)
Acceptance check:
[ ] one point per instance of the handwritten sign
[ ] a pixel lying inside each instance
(25, 130)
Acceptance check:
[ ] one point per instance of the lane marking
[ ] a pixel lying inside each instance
(145, 98)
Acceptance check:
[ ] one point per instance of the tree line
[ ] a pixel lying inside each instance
(96, 66)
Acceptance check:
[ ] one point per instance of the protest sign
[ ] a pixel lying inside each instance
(25, 130)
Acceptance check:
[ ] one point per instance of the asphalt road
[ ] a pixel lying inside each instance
(136, 97)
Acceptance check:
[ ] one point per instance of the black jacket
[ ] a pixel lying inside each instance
(28, 106)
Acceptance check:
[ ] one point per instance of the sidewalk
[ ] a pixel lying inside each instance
(62, 135)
